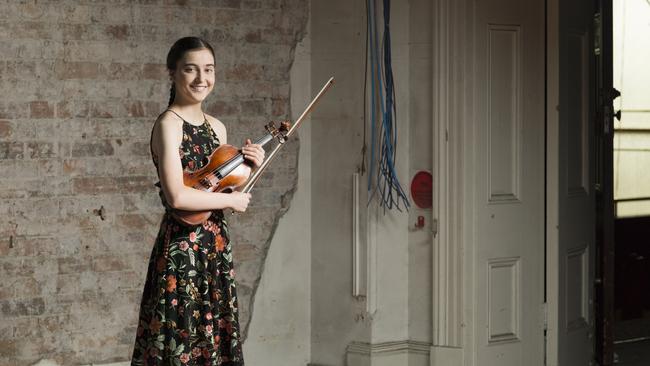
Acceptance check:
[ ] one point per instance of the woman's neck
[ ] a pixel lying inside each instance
(190, 112)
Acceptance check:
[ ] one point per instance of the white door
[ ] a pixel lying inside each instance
(571, 183)
(509, 188)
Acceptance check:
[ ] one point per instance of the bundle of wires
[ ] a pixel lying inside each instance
(382, 177)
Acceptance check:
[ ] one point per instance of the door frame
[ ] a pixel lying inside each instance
(605, 216)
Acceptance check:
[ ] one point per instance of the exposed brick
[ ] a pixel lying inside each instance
(77, 70)
(82, 83)
(244, 72)
(154, 71)
(118, 31)
(70, 109)
(71, 265)
(12, 308)
(279, 107)
(8, 349)
(138, 148)
(101, 110)
(252, 107)
(110, 263)
(37, 150)
(41, 109)
(222, 108)
(93, 185)
(12, 150)
(135, 109)
(253, 36)
(89, 149)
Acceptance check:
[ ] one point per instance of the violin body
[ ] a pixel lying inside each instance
(209, 179)
(206, 180)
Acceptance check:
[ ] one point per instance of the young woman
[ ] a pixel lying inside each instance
(188, 313)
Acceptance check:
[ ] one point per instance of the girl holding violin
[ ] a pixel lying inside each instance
(189, 311)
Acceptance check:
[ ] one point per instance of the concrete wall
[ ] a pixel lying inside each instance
(81, 84)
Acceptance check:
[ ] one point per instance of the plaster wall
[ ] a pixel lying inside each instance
(420, 158)
(397, 308)
(280, 330)
(338, 39)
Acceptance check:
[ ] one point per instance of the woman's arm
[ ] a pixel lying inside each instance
(167, 137)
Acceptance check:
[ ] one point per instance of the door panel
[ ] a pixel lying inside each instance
(509, 191)
(572, 184)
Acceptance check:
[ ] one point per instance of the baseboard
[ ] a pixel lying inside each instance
(407, 353)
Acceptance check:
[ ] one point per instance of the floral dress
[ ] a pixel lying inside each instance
(188, 313)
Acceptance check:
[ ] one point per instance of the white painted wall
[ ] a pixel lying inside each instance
(280, 328)
(420, 85)
(399, 322)
(338, 39)
(304, 308)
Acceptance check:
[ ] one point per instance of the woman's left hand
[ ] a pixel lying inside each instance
(253, 152)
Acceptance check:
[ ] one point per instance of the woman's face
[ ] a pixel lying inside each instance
(194, 76)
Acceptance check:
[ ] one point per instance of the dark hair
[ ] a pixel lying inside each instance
(178, 50)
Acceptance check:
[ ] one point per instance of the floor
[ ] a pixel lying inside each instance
(632, 354)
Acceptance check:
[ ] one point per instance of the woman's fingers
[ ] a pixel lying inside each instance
(253, 152)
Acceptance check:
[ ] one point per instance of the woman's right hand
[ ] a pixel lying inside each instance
(239, 201)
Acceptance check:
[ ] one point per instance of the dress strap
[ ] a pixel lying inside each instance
(179, 116)
(205, 119)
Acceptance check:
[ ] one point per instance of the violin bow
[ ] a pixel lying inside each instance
(256, 175)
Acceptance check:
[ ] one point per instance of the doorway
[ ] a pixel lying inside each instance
(631, 47)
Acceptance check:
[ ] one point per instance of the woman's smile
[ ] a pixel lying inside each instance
(198, 88)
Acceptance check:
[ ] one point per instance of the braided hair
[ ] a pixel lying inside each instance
(178, 50)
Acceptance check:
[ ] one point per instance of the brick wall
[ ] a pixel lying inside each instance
(81, 83)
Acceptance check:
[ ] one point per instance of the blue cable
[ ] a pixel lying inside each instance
(387, 184)
(373, 128)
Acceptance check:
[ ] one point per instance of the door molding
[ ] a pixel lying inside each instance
(449, 106)
(552, 175)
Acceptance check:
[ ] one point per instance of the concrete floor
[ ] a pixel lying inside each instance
(633, 354)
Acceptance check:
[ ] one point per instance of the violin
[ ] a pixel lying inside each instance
(225, 171)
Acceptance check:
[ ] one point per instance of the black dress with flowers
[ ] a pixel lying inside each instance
(188, 313)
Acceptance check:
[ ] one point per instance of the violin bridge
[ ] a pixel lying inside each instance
(206, 182)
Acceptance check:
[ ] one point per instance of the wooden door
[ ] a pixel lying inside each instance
(509, 189)
(571, 182)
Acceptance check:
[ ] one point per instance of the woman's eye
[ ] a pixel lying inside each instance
(209, 71)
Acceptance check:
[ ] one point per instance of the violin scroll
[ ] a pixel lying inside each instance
(279, 133)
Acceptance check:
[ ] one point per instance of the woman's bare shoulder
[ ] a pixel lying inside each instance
(218, 127)
(168, 119)
(167, 130)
